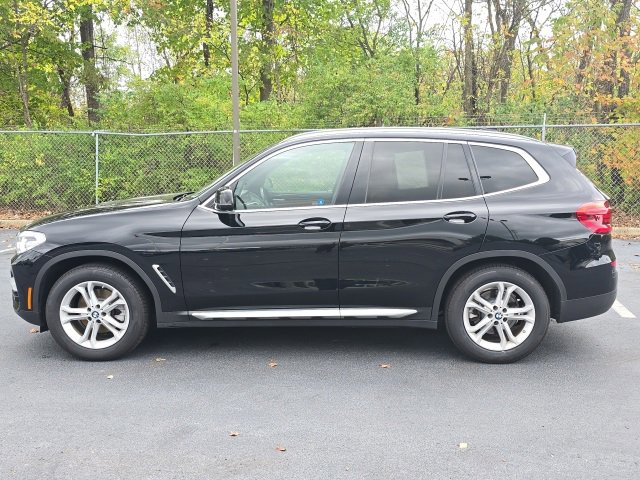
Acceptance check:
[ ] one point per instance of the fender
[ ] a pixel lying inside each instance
(493, 254)
(101, 253)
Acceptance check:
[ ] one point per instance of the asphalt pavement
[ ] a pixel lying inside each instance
(315, 403)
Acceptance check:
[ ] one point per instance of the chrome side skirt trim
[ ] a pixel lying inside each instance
(164, 277)
(305, 313)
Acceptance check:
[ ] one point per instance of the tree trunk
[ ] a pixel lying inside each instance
(65, 93)
(268, 42)
(624, 30)
(208, 21)
(23, 82)
(21, 73)
(470, 89)
(91, 78)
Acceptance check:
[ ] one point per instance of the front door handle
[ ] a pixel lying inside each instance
(315, 224)
(460, 217)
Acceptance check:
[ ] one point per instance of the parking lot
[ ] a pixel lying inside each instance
(316, 403)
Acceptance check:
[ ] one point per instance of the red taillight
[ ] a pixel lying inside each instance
(614, 264)
(596, 216)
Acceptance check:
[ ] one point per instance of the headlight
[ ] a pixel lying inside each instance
(28, 240)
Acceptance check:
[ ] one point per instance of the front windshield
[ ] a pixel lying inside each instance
(208, 186)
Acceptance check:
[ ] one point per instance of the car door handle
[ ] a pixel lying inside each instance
(460, 217)
(315, 224)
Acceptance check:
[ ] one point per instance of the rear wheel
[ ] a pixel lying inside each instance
(98, 312)
(497, 314)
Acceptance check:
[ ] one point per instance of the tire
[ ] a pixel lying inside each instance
(527, 326)
(113, 330)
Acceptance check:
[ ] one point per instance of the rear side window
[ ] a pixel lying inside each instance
(404, 171)
(501, 169)
(457, 176)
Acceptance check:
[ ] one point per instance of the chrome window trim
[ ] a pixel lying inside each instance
(276, 209)
(543, 176)
(271, 155)
(409, 139)
(332, 312)
(541, 173)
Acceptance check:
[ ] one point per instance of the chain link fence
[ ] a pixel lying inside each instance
(47, 171)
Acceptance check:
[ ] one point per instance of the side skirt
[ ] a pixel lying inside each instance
(311, 322)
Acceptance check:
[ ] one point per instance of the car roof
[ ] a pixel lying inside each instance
(437, 133)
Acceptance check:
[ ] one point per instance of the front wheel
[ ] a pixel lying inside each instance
(497, 314)
(97, 312)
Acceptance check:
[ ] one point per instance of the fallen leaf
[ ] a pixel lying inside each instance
(160, 359)
(234, 434)
(462, 445)
(273, 364)
(110, 377)
(385, 365)
(34, 330)
(281, 449)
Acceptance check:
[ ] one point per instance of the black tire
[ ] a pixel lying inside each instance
(475, 279)
(129, 287)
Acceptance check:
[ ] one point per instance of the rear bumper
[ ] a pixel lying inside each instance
(586, 307)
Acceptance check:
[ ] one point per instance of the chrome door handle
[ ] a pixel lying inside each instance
(460, 217)
(315, 224)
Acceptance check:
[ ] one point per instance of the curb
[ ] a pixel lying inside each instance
(626, 231)
(13, 223)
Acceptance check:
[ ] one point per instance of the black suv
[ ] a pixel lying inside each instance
(488, 234)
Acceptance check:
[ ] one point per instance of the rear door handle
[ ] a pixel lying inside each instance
(315, 224)
(460, 217)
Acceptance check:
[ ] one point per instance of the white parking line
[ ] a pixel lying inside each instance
(7, 250)
(621, 310)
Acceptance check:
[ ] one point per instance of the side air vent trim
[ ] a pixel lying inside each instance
(164, 277)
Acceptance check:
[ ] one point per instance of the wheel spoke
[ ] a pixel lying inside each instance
(519, 310)
(481, 308)
(87, 333)
(503, 338)
(112, 302)
(479, 325)
(507, 294)
(92, 294)
(509, 333)
(482, 301)
(500, 293)
(524, 318)
(69, 314)
(94, 335)
(478, 336)
(108, 319)
(114, 331)
(82, 290)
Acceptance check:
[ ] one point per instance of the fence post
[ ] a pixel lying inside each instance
(97, 162)
(544, 126)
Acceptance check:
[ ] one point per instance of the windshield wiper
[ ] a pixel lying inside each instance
(180, 196)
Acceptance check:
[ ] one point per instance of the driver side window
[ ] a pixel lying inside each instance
(305, 176)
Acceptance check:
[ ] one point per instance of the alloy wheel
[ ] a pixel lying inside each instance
(499, 316)
(94, 314)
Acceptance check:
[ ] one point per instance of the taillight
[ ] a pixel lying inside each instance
(596, 216)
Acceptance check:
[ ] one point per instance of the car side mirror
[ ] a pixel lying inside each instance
(223, 200)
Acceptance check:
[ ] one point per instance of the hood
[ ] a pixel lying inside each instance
(106, 207)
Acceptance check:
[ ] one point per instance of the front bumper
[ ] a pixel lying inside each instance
(23, 273)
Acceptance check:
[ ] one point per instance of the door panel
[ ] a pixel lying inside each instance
(260, 259)
(395, 255)
(262, 256)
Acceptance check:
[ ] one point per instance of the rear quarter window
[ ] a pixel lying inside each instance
(501, 169)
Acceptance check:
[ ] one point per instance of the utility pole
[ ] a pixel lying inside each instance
(235, 90)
